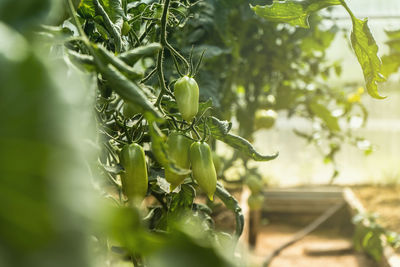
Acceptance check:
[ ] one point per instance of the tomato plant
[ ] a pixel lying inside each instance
(165, 78)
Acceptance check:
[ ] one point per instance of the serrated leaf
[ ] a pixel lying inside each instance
(220, 130)
(295, 13)
(86, 9)
(218, 126)
(366, 51)
(184, 199)
(112, 16)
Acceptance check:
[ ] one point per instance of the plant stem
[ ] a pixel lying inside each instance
(109, 25)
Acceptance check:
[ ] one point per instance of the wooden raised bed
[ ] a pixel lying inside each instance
(300, 206)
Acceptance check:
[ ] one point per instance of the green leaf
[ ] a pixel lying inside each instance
(393, 34)
(372, 244)
(203, 106)
(128, 90)
(86, 9)
(184, 199)
(111, 13)
(319, 40)
(217, 126)
(295, 13)
(130, 57)
(107, 57)
(390, 64)
(113, 8)
(394, 44)
(325, 115)
(366, 51)
(220, 130)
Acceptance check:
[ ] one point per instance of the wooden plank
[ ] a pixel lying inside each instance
(304, 200)
(328, 249)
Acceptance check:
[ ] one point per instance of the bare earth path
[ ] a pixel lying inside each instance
(271, 236)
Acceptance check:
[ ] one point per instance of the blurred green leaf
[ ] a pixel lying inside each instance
(319, 41)
(295, 13)
(44, 177)
(182, 250)
(325, 115)
(24, 16)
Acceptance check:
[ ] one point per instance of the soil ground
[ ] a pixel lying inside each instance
(382, 200)
(272, 236)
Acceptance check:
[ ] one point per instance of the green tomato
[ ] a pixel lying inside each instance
(134, 180)
(178, 151)
(265, 119)
(254, 183)
(186, 93)
(255, 201)
(203, 169)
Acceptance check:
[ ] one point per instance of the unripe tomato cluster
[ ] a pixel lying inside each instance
(182, 151)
